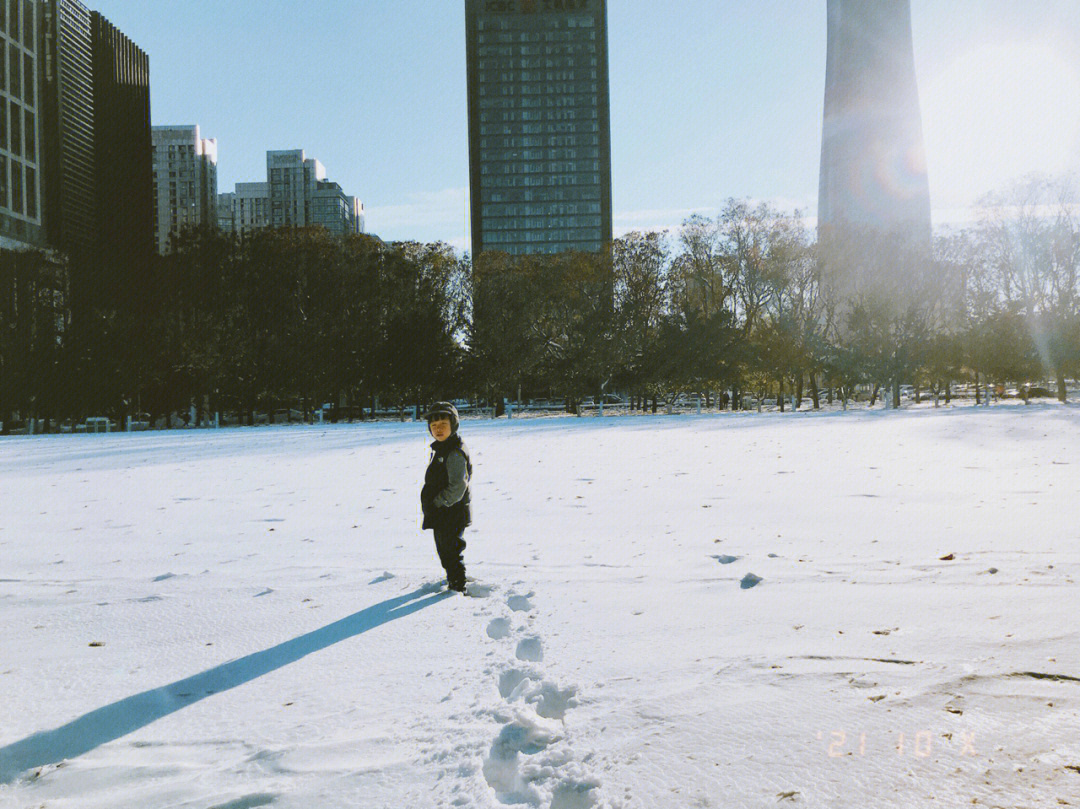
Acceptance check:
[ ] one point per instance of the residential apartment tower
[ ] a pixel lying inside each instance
(185, 182)
(296, 194)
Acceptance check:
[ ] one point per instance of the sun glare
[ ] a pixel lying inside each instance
(997, 113)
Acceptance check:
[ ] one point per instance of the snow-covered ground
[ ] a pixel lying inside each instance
(246, 618)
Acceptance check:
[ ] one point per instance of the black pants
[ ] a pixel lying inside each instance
(450, 545)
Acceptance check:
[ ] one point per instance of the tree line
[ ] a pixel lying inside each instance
(749, 301)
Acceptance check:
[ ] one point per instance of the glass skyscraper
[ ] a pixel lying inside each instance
(539, 130)
(20, 125)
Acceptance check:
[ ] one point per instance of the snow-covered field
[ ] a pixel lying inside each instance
(247, 618)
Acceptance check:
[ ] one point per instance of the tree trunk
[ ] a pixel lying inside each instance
(780, 393)
(896, 393)
(978, 400)
(873, 396)
(814, 392)
(948, 392)
(1061, 392)
(798, 391)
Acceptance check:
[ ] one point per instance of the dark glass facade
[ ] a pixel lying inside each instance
(539, 125)
(68, 120)
(123, 152)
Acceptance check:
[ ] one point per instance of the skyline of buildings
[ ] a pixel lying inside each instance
(539, 134)
(296, 194)
(83, 171)
(539, 125)
(74, 132)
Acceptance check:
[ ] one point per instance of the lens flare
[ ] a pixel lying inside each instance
(999, 112)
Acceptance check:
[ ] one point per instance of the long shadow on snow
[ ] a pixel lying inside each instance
(113, 721)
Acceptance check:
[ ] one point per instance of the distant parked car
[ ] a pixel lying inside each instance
(1035, 392)
(95, 424)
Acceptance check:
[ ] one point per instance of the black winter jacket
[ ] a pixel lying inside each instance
(444, 508)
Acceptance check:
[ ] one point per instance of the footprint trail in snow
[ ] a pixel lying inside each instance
(531, 761)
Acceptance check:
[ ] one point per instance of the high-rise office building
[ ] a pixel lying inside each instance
(296, 194)
(185, 181)
(123, 150)
(95, 121)
(873, 159)
(21, 215)
(539, 125)
(68, 124)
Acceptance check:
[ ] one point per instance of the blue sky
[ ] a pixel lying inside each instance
(710, 99)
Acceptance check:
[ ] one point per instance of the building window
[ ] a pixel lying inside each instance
(28, 79)
(31, 193)
(14, 81)
(31, 139)
(16, 187)
(28, 23)
(13, 18)
(16, 130)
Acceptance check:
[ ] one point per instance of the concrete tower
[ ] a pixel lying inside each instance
(873, 160)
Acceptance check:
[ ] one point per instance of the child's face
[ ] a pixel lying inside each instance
(440, 428)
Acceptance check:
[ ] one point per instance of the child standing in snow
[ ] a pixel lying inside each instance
(445, 496)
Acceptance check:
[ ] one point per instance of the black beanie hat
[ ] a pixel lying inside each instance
(445, 410)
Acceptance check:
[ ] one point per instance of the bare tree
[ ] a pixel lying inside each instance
(1033, 248)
